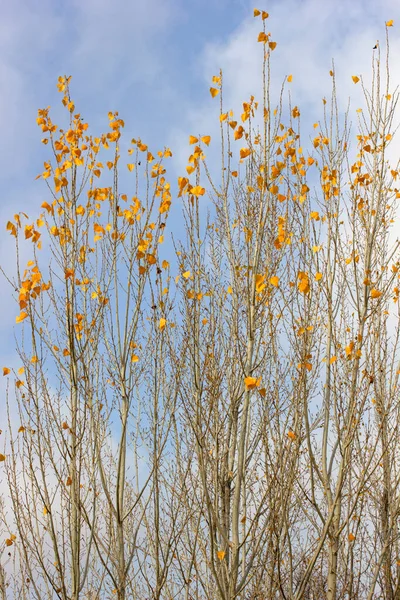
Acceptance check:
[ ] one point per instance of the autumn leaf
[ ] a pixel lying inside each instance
(303, 282)
(6, 371)
(374, 293)
(244, 152)
(252, 383)
(206, 139)
(290, 78)
(256, 12)
(2, 458)
(291, 435)
(214, 92)
(21, 317)
(193, 139)
(274, 281)
(389, 23)
(221, 554)
(198, 191)
(162, 323)
(355, 78)
(262, 37)
(351, 537)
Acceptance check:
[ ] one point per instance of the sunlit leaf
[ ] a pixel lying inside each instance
(221, 554)
(206, 139)
(214, 92)
(374, 293)
(355, 78)
(389, 23)
(6, 371)
(252, 383)
(162, 324)
(193, 140)
(274, 281)
(21, 317)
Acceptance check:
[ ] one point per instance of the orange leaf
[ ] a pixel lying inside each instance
(6, 371)
(252, 382)
(389, 23)
(291, 435)
(355, 78)
(274, 281)
(256, 12)
(351, 537)
(244, 152)
(206, 139)
(193, 140)
(162, 323)
(221, 554)
(21, 317)
(272, 45)
(375, 293)
(214, 92)
(2, 458)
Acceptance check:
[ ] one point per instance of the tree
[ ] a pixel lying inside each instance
(224, 425)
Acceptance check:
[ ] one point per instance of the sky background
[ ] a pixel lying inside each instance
(153, 61)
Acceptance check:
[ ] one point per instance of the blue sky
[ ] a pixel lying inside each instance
(153, 61)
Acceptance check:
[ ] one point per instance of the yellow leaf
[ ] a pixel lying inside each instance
(21, 429)
(221, 554)
(165, 264)
(303, 282)
(193, 140)
(375, 293)
(332, 360)
(45, 511)
(214, 92)
(134, 358)
(21, 370)
(234, 173)
(198, 191)
(314, 215)
(264, 15)
(272, 45)
(206, 139)
(244, 152)
(290, 78)
(252, 383)
(205, 321)
(355, 78)
(130, 166)
(274, 281)
(318, 276)
(262, 37)
(256, 12)
(162, 323)
(6, 371)
(291, 435)
(21, 317)
(229, 290)
(186, 274)
(2, 458)
(389, 23)
(223, 117)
